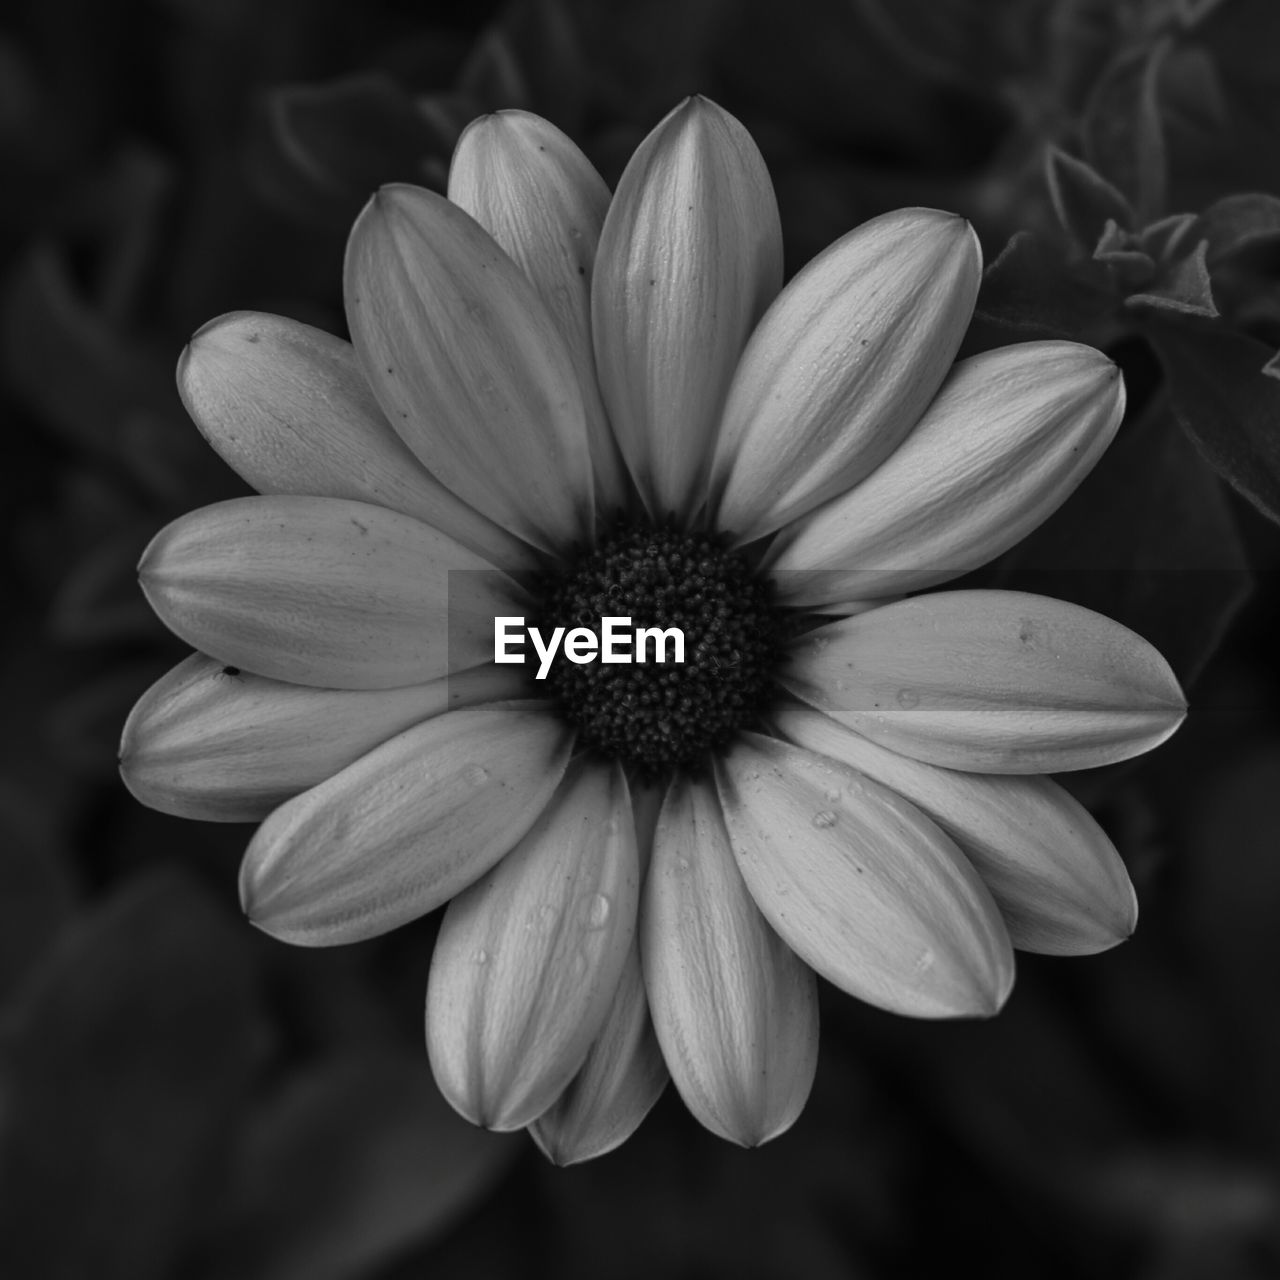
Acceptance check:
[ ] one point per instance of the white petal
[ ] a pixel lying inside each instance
(324, 591)
(861, 885)
(991, 682)
(843, 365)
(1055, 875)
(541, 199)
(1005, 442)
(209, 741)
(736, 1011)
(407, 826)
(690, 257)
(529, 959)
(288, 408)
(617, 1085)
(468, 365)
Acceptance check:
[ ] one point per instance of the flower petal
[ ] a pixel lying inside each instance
(407, 826)
(541, 199)
(324, 591)
(617, 1085)
(861, 885)
(529, 959)
(468, 365)
(991, 682)
(209, 741)
(690, 256)
(1056, 877)
(843, 365)
(736, 1011)
(288, 409)
(1005, 442)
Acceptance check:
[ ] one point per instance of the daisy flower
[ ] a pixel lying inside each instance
(564, 406)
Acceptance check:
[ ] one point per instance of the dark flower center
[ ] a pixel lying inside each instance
(657, 716)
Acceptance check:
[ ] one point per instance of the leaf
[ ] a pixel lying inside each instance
(1184, 288)
(1162, 238)
(1123, 133)
(1029, 288)
(124, 1071)
(321, 151)
(1149, 540)
(1117, 249)
(1083, 199)
(350, 1163)
(1225, 401)
(1237, 224)
(82, 373)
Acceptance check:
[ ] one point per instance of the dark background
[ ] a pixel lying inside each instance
(182, 1097)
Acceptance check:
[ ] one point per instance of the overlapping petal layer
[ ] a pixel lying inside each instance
(861, 885)
(736, 1011)
(991, 682)
(615, 1088)
(541, 199)
(690, 256)
(406, 827)
(207, 741)
(1009, 436)
(529, 958)
(843, 365)
(1055, 875)
(324, 591)
(288, 408)
(468, 365)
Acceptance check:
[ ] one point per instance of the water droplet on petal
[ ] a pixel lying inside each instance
(825, 818)
(482, 956)
(476, 775)
(908, 698)
(598, 912)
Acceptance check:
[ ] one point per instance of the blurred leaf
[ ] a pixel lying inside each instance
(351, 1163)
(98, 600)
(1119, 250)
(1030, 289)
(547, 47)
(1163, 238)
(493, 75)
(1083, 199)
(124, 1069)
(322, 150)
(80, 372)
(1239, 223)
(1123, 133)
(1149, 540)
(36, 888)
(1184, 288)
(1225, 401)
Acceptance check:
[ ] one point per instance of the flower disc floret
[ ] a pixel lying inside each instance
(658, 716)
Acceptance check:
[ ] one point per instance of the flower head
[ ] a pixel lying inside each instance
(570, 406)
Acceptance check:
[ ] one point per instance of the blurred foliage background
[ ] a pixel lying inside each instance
(181, 1097)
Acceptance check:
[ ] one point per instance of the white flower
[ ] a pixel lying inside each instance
(612, 406)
